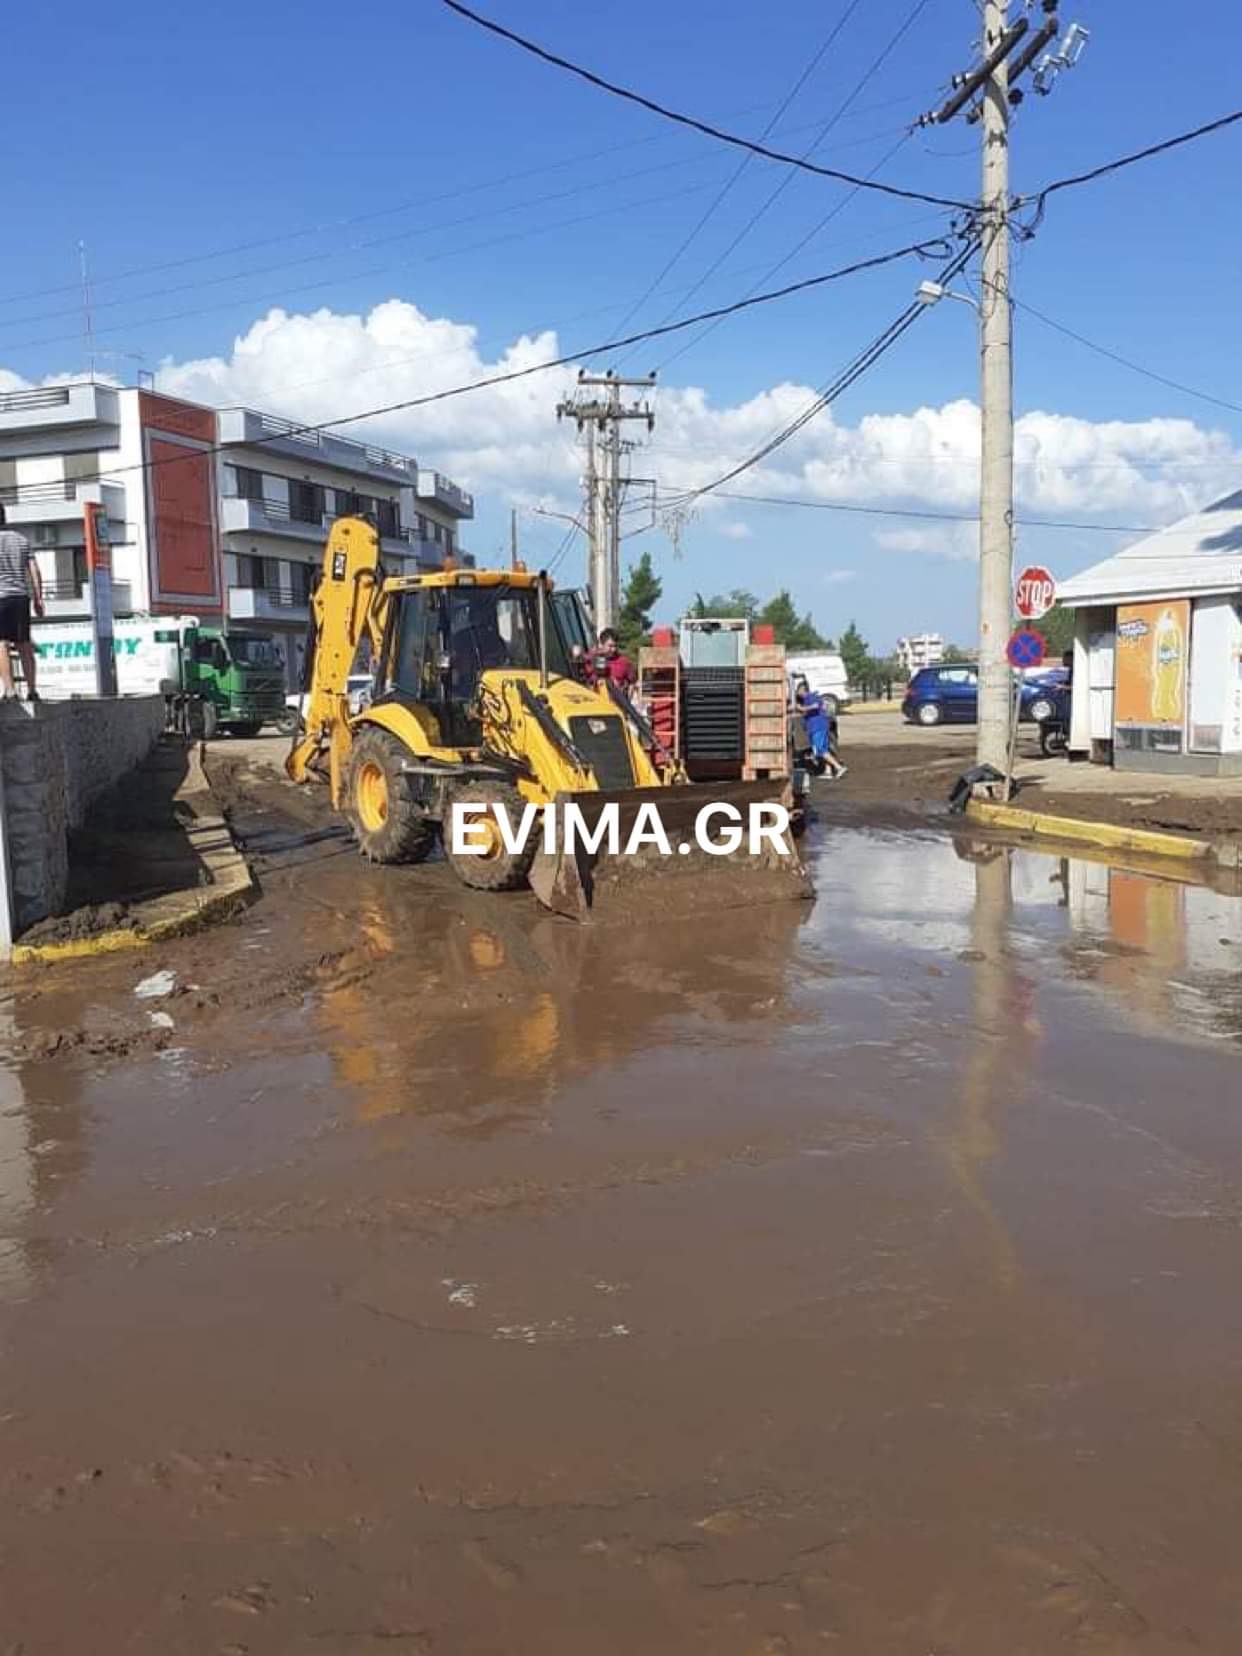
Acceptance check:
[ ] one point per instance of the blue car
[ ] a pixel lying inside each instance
(950, 694)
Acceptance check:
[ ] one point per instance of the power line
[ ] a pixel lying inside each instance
(914, 249)
(689, 120)
(359, 275)
(689, 344)
(592, 188)
(1135, 367)
(533, 330)
(935, 517)
(842, 383)
(784, 183)
(1041, 196)
(454, 194)
(742, 165)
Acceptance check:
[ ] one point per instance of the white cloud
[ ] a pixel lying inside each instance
(956, 541)
(839, 577)
(504, 442)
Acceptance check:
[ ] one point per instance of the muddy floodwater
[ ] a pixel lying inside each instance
(404, 1271)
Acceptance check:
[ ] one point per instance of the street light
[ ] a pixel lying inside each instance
(931, 293)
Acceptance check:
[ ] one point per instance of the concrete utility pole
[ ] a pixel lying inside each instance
(996, 403)
(991, 89)
(600, 418)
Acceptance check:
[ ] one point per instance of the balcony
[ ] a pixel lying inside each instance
(433, 485)
(281, 605)
(63, 502)
(243, 516)
(59, 408)
(427, 554)
(245, 426)
(67, 601)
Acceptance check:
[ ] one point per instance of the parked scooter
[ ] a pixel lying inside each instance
(1051, 711)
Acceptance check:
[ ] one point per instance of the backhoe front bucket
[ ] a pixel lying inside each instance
(631, 880)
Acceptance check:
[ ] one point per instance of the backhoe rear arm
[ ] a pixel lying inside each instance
(348, 605)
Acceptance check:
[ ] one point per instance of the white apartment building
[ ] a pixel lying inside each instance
(920, 650)
(217, 513)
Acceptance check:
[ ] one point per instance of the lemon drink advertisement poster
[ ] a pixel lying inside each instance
(1153, 656)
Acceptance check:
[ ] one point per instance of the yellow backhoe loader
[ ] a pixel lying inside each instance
(476, 701)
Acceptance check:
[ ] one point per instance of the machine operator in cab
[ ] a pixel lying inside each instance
(607, 661)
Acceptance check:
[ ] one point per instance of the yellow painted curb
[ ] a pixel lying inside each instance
(109, 942)
(1110, 835)
(872, 707)
(173, 915)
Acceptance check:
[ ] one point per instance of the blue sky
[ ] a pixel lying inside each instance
(503, 196)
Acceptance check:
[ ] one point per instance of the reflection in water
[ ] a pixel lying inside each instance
(1002, 1034)
(1164, 945)
(472, 1024)
(17, 1171)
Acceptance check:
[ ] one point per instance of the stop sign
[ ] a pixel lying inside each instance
(1035, 593)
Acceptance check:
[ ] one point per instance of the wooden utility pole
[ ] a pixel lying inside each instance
(599, 419)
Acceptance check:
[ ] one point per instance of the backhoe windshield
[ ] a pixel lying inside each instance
(469, 630)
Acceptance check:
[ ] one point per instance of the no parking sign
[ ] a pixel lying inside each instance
(1027, 648)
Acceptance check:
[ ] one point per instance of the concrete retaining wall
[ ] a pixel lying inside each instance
(55, 758)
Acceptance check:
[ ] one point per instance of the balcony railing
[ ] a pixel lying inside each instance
(271, 425)
(278, 597)
(31, 494)
(433, 485)
(279, 511)
(63, 598)
(47, 396)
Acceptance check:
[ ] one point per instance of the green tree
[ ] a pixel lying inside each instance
(854, 653)
(794, 631)
(725, 606)
(1058, 630)
(642, 593)
(955, 652)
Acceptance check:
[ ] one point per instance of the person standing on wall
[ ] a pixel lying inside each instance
(21, 590)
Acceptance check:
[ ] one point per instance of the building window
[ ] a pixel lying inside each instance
(301, 576)
(346, 503)
(249, 572)
(249, 483)
(386, 517)
(80, 468)
(306, 502)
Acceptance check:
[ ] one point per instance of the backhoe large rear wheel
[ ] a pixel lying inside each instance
(497, 869)
(387, 824)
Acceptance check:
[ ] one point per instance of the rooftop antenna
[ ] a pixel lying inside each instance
(88, 319)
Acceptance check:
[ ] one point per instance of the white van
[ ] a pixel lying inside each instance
(824, 672)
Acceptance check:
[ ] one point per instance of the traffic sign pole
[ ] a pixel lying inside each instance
(1026, 648)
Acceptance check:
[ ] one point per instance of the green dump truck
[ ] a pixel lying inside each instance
(215, 678)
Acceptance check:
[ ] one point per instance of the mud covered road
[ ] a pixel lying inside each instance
(407, 1271)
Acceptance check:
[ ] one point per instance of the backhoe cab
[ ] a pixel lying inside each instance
(475, 701)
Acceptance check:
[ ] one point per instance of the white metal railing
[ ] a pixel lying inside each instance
(47, 396)
(23, 494)
(313, 438)
(279, 511)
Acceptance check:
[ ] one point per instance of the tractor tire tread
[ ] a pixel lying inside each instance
(407, 836)
(510, 869)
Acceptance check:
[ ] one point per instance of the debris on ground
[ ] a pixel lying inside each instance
(156, 986)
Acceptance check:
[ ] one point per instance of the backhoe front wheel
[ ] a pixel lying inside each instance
(387, 824)
(495, 867)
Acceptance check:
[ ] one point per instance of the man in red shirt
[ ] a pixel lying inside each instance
(607, 660)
